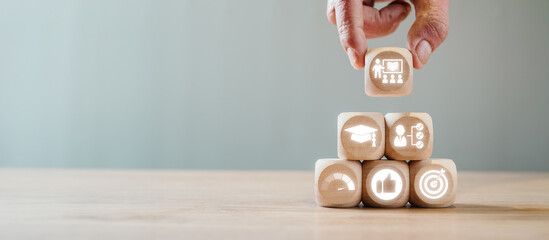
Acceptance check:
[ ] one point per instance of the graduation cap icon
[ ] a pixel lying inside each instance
(362, 134)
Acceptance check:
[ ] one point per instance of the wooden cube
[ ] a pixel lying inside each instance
(338, 183)
(360, 136)
(408, 136)
(385, 183)
(389, 72)
(433, 183)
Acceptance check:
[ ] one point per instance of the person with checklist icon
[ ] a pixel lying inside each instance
(400, 139)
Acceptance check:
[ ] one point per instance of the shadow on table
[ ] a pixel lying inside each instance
(461, 209)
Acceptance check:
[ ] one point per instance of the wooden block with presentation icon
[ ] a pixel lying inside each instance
(388, 72)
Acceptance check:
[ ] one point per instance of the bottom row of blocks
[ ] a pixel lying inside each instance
(385, 183)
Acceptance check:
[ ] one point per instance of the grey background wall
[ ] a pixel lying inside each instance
(250, 84)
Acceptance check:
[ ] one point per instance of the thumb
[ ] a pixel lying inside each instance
(388, 178)
(429, 30)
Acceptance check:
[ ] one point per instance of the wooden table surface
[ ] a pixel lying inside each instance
(161, 204)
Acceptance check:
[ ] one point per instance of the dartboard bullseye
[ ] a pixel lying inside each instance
(433, 184)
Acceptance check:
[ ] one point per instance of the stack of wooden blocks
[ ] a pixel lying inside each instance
(405, 139)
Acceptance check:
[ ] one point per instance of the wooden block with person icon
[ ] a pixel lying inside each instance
(388, 72)
(385, 183)
(409, 136)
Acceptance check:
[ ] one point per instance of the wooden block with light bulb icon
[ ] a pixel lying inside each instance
(388, 72)
(385, 183)
(338, 183)
(433, 183)
(360, 136)
(408, 136)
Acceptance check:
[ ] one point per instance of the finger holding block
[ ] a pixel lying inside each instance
(409, 136)
(338, 183)
(385, 183)
(360, 136)
(433, 183)
(388, 72)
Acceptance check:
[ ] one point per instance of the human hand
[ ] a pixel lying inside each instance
(358, 20)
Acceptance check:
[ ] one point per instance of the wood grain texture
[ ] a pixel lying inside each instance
(145, 204)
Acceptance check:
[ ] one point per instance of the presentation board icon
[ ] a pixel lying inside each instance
(388, 72)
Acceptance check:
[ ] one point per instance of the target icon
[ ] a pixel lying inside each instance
(433, 184)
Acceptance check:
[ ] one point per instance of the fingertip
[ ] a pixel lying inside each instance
(331, 17)
(356, 59)
(417, 63)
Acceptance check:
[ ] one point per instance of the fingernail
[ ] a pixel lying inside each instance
(353, 56)
(423, 51)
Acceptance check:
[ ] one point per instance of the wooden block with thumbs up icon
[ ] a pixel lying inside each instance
(385, 183)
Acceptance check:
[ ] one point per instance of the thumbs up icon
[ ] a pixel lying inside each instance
(388, 185)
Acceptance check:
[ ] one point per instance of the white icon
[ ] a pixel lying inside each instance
(433, 184)
(393, 67)
(386, 184)
(377, 69)
(342, 179)
(415, 139)
(400, 140)
(362, 134)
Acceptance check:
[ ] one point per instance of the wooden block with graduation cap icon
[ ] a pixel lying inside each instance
(433, 183)
(361, 136)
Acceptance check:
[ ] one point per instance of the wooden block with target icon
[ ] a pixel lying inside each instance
(338, 183)
(433, 183)
(361, 136)
(385, 183)
(388, 72)
(408, 136)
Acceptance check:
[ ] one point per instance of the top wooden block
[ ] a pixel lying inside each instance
(388, 72)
